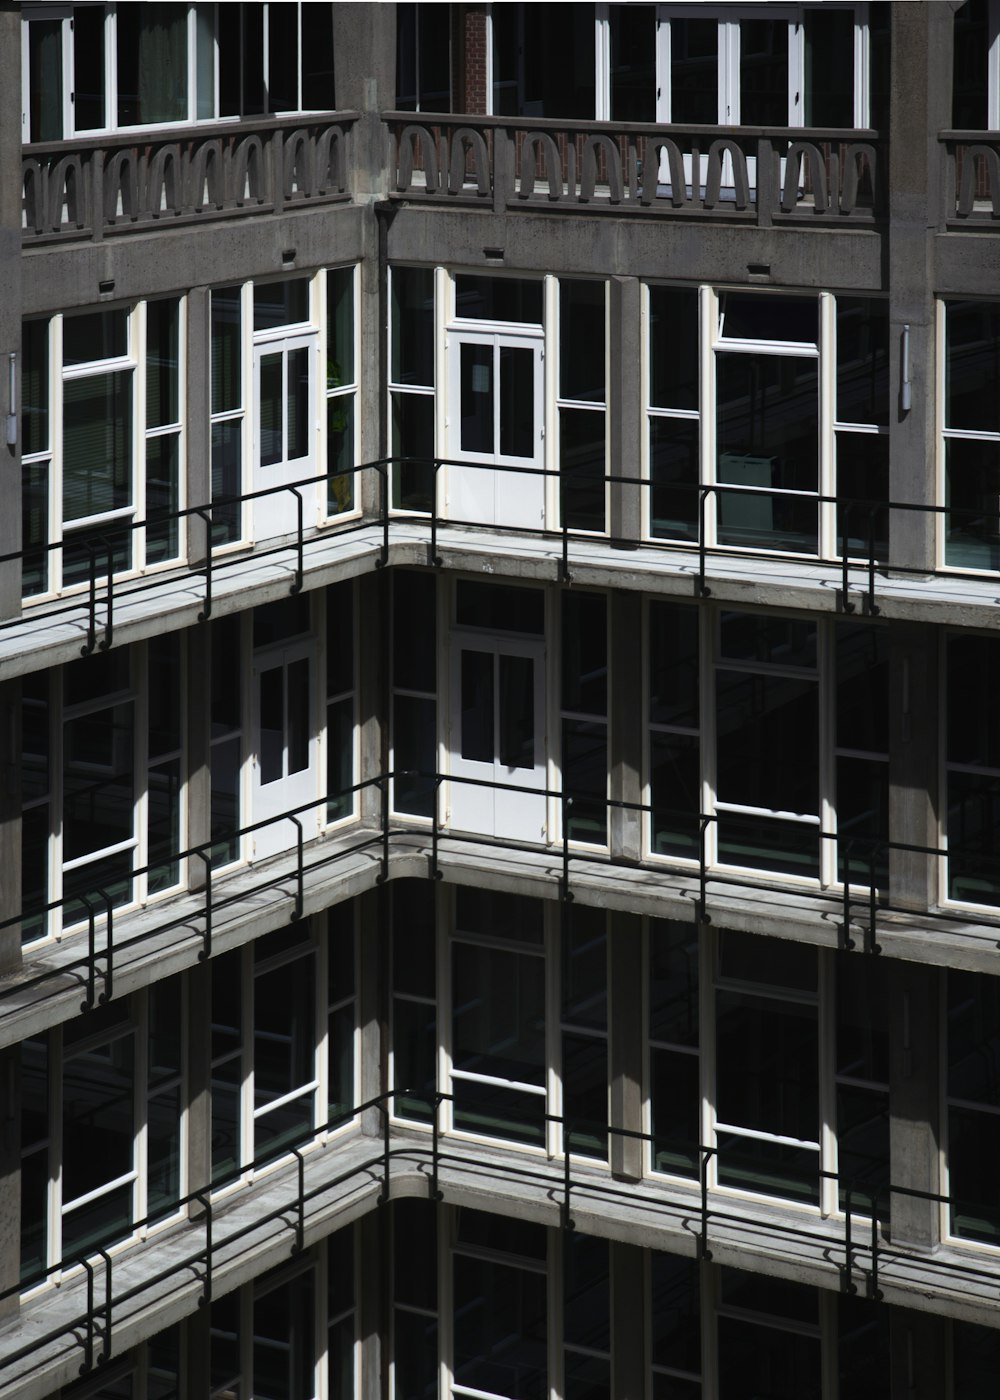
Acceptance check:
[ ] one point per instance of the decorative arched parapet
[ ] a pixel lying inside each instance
(328, 161)
(121, 186)
(535, 141)
(799, 152)
(655, 148)
(297, 157)
(206, 176)
(971, 156)
(248, 173)
(590, 165)
(858, 157)
(65, 194)
(717, 153)
(466, 141)
(410, 138)
(34, 179)
(165, 182)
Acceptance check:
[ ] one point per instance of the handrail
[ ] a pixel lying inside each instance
(653, 1188)
(113, 588)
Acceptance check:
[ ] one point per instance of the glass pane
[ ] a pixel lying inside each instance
(500, 1329)
(34, 528)
(271, 425)
(585, 653)
(974, 837)
(673, 339)
(412, 326)
(517, 403)
(585, 1094)
(774, 640)
(340, 453)
(414, 743)
(339, 324)
(45, 88)
(482, 298)
(862, 358)
(272, 725)
(284, 1028)
(517, 711)
(97, 1116)
(675, 795)
(582, 456)
(758, 316)
(767, 1065)
(972, 491)
(862, 487)
(88, 67)
(414, 631)
(163, 820)
(581, 334)
(227, 478)
(972, 365)
(413, 483)
(675, 1313)
(280, 303)
(162, 360)
(499, 607)
(633, 63)
(477, 706)
(34, 386)
(227, 393)
(829, 65)
(476, 362)
(673, 675)
(340, 759)
(585, 779)
(694, 71)
(674, 470)
(278, 622)
(282, 59)
(152, 64)
(414, 1047)
(107, 1218)
(675, 1105)
(317, 59)
(284, 1340)
(763, 72)
(768, 741)
(299, 727)
(162, 498)
(299, 399)
(97, 444)
(98, 780)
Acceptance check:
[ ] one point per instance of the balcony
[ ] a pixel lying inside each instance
(744, 175)
(972, 178)
(130, 181)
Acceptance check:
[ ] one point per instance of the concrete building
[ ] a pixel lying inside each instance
(500, 814)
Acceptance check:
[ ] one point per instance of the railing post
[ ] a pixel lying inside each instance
(383, 476)
(109, 952)
(874, 1291)
(872, 944)
(871, 607)
(299, 871)
(703, 916)
(565, 893)
(383, 786)
(109, 622)
(88, 1002)
(435, 829)
(205, 855)
(435, 1193)
(88, 1346)
(300, 562)
(383, 1195)
(300, 1220)
(567, 1219)
(206, 610)
(701, 587)
(847, 1276)
(845, 603)
(105, 1353)
(846, 941)
(436, 559)
(703, 1250)
(205, 1201)
(92, 622)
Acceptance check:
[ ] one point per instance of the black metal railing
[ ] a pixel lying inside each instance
(850, 1243)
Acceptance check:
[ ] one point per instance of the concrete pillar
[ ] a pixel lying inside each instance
(625, 737)
(10, 823)
(625, 404)
(199, 409)
(913, 763)
(914, 1101)
(372, 687)
(365, 82)
(625, 1041)
(918, 1344)
(628, 1322)
(373, 971)
(920, 107)
(10, 301)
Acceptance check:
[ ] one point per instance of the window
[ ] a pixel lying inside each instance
(103, 416)
(800, 65)
(976, 72)
(293, 1331)
(101, 1113)
(972, 770)
(275, 412)
(414, 712)
(747, 1072)
(778, 783)
(103, 822)
(92, 68)
(283, 1043)
(778, 445)
(423, 58)
(498, 964)
(585, 715)
(270, 678)
(973, 1103)
(971, 436)
(412, 337)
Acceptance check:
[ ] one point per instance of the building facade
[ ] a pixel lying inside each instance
(500, 818)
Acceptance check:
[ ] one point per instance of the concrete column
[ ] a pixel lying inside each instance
(199, 409)
(197, 1353)
(372, 686)
(625, 1041)
(914, 1101)
(625, 404)
(918, 1345)
(913, 762)
(373, 969)
(625, 729)
(920, 107)
(10, 822)
(10, 1175)
(628, 1322)
(365, 82)
(10, 301)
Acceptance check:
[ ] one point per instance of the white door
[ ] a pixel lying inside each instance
(497, 738)
(284, 433)
(495, 418)
(285, 745)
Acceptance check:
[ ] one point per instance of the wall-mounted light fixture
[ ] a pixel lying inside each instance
(11, 434)
(906, 390)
